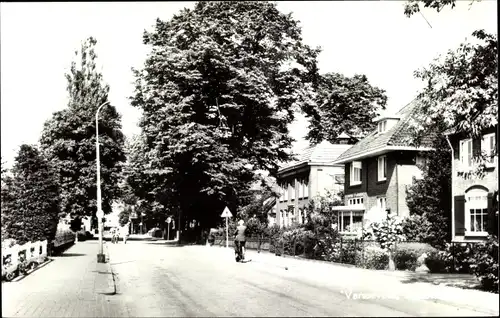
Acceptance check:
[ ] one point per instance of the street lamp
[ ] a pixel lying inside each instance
(101, 258)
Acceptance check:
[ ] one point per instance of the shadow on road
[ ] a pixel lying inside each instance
(172, 244)
(113, 264)
(451, 280)
(69, 255)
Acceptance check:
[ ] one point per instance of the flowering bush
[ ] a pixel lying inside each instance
(387, 233)
(484, 263)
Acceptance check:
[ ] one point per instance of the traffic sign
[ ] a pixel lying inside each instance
(226, 213)
(169, 219)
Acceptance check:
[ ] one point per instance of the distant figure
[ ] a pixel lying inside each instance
(240, 240)
(116, 236)
(125, 233)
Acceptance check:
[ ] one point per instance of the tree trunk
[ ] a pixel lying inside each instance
(76, 237)
(392, 265)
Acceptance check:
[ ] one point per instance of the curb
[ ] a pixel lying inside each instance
(111, 278)
(19, 278)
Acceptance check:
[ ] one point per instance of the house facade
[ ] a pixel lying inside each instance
(312, 174)
(378, 170)
(475, 197)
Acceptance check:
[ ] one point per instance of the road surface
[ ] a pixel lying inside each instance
(157, 280)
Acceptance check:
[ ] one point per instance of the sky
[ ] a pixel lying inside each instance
(374, 38)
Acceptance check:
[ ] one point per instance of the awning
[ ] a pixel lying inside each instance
(347, 208)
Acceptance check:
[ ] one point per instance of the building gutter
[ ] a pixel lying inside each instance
(381, 151)
(452, 193)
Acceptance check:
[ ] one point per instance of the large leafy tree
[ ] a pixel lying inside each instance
(343, 104)
(217, 92)
(30, 198)
(462, 85)
(462, 88)
(429, 198)
(69, 139)
(461, 93)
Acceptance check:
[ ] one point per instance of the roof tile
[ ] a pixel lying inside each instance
(398, 135)
(321, 153)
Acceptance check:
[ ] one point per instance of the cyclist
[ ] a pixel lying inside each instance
(240, 240)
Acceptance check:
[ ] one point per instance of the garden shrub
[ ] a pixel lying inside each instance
(349, 250)
(458, 257)
(292, 241)
(406, 254)
(484, 263)
(372, 257)
(438, 262)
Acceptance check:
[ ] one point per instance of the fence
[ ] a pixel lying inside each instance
(63, 238)
(17, 256)
(352, 251)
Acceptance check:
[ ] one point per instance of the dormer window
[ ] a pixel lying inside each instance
(382, 126)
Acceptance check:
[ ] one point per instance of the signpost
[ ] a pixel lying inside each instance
(169, 219)
(227, 214)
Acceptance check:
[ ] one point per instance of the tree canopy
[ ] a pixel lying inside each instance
(217, 92)
(69, 139)
(343, 104)
(30, 201)
(462, 88)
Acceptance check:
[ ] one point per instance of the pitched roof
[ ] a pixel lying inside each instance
(322, 153)
(397, 136)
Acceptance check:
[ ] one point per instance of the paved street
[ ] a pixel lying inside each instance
(158, 280)
(152, 279)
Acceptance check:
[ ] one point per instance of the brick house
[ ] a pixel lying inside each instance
(474, 198)
(312, 174)
(379, 168)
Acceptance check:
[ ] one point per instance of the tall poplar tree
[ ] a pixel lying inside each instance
(69, 139)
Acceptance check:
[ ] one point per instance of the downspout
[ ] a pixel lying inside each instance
(452, 193)
(397, 189)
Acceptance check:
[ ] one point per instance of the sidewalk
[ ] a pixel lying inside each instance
(403, 284)
(71, 285)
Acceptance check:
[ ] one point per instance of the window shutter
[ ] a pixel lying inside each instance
(459, 215)
(476, 147)
(492, 219)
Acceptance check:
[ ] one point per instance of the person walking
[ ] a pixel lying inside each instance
(240, 240)
(125, 233)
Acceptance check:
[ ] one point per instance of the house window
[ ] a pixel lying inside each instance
(488, 146)
(356, 172)
(466, 153)
(355, 201)
(350, 221)
(382, 126)
(301, 190)
(293, 192)
(381, 204)
(476, 207)
(285, 190)
(382, 168)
